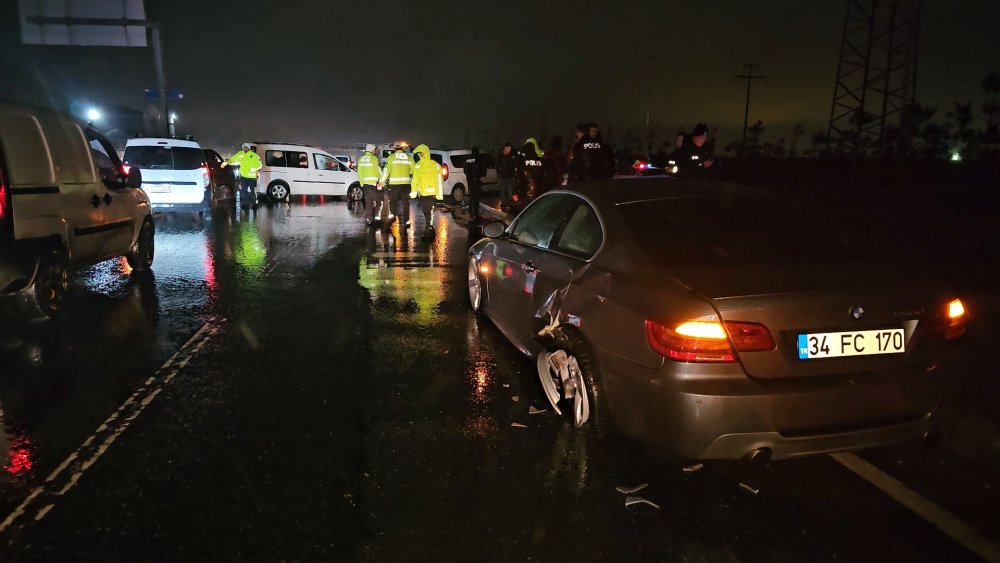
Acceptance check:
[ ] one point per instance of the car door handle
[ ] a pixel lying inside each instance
(529, 268)
(95, 201)
(107, 199)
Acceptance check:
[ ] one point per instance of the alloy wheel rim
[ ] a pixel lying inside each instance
(581, 400)
(475, 286)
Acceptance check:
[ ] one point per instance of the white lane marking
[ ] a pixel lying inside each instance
(113, 427)
(939, 517)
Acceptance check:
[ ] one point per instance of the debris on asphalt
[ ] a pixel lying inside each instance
(629, 490)
(533, 410)
(517, 425)
(515, 398)
(506, 385)
(693, 468)
(632, 501)
(749, 489)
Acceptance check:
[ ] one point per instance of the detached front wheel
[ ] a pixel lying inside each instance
(51, 283)
(569, 375)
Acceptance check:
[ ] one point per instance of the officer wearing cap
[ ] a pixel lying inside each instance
(370, 174)
(694, 155)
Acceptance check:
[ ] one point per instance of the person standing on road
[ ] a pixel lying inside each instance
(475, 171)
(581, 132)
(593, 159)
(397, 177)
(428, 185)
(370, 174)
(250, 165)
(693, 155)
(553, 159)
(507, 168)
(534, 178)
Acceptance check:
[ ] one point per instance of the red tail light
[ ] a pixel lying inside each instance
(951, 320)
(444, 171)
(126, 169)
(3, 197)
(700, 341)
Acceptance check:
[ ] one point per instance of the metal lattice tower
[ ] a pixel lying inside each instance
(876, 75)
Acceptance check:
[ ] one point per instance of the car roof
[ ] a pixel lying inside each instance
(635, 190)
(161, 142)
(453, 151)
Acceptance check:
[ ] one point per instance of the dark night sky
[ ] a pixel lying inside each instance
(325, 72)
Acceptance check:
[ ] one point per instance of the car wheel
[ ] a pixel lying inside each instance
(51, 283)
(475, 287)
(568, 372)
(140, 258)
(458, 194)
(354, 193)
(278, 191)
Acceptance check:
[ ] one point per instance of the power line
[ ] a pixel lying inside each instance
(749, 77)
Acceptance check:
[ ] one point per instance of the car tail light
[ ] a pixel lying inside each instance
(954, 319)
(3, 197)
(126, 169)
(444, 171)
(701, 341)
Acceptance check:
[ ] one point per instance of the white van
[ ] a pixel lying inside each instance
(175, 174)
(453, 169)
(303, 170)
(65, 202)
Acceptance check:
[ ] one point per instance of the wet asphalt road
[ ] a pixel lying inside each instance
(288, 387)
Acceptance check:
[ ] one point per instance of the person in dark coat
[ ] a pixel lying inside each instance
(508, 165)
(553, 160)
(475, 171)
(694, 156)
(593, 159)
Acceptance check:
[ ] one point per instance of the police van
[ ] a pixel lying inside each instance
(65, 203)
(290, 169)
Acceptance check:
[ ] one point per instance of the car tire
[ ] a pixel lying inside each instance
(475, 286)
(51, 283)
(140, 257)
(458, 194)
(278, 191)
(569, 341)
(355, 193)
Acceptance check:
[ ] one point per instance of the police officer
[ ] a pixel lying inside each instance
(475, 171)
(593, 159)
(428, 185)
(370, 174)
(250, 165)
(535, 177)
(693, 155)
(397, 178)
(508, 165)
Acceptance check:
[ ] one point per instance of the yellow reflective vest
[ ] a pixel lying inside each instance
(398, 169)
(248, 162)
(369, 170)
(427, 179)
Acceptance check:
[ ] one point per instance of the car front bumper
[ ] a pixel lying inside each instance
(725, 417)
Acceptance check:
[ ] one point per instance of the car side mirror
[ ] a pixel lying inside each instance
(134, 179)
(494, 229)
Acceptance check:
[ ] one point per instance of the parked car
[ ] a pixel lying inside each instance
(304, 170)
(65, 203)
(223, 178)
(175, 173)
(452, 163)
(715, 321)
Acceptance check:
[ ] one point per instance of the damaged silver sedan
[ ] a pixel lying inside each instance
(714, 320)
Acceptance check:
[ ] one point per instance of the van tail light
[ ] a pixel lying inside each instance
(702, 342)
(126, 169)
(444, 171)
(205, 175)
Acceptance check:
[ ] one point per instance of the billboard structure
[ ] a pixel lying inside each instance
(95, 23)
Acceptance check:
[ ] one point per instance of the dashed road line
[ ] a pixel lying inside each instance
(929, 511)
(69, 472)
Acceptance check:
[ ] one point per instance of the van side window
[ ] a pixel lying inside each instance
(107, 165)
(298, 160)
(274, 158)
(324, 162)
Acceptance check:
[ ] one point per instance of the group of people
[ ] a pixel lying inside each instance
(401, 179)
(530, 171)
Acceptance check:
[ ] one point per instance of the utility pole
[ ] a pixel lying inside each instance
(749, 77)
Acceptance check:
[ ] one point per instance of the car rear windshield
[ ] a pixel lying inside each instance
(735, 231)
(164, 158)
(458, 160)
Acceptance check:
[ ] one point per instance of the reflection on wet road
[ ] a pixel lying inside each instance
(287, 385)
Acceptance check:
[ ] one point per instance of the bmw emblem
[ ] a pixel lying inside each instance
(858, 312)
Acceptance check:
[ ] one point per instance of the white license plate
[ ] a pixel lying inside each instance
(159, 189)
(843, 344)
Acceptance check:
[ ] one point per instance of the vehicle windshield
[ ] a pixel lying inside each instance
(164, 158)
(734, 231)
